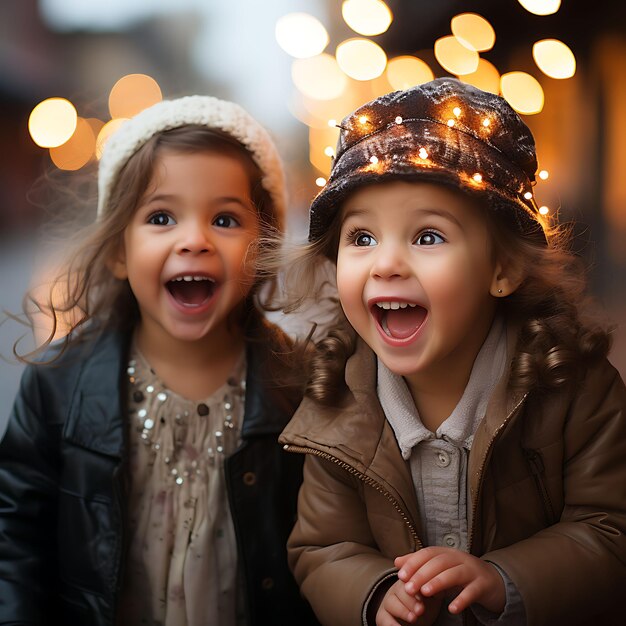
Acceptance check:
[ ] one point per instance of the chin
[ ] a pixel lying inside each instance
(402, 366)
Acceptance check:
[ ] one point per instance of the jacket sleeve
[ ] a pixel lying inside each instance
(576, 568)
(28, 488)
(332, 552)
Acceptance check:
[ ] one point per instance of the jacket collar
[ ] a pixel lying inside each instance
(503, 406)
(356, 433)
(95, 415)
(268, 407)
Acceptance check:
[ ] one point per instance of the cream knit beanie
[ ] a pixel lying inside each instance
(203, 110)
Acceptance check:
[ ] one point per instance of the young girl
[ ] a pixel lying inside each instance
(141, 481)
(465, 455)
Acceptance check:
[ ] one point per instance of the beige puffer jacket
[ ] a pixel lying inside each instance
(548, 485)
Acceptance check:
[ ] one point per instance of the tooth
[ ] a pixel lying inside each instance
(412, 305)
(394, 305)
(187, 279)
(403, 305)
(198, 278)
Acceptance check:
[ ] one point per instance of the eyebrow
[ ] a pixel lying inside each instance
(425, 211)
(352, 213)
(442, 213)
(221, 200)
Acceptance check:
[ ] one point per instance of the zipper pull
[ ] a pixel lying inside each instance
(535, 460)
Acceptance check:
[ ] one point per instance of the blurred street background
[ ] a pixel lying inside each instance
(71, 72)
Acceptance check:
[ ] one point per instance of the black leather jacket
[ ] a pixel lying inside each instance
(63, 486)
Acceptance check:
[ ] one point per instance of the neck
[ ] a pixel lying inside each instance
(193, 369)
(437, 392)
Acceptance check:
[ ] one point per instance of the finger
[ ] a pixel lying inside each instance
(397, 609)
(413, 603)
(468, 596)
(410, 563)
(428, 571)
(456, 576)
(383, 618)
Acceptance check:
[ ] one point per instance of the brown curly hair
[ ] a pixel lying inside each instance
(558, 335)
(85, 294)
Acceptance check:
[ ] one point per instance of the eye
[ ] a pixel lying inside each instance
(361, 239)
(161, 219)
(429, 238)
(225, 221)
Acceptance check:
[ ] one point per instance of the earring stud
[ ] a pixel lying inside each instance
(499, 290)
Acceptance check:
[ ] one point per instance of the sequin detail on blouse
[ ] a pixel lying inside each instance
(154, 404)
(182, 562)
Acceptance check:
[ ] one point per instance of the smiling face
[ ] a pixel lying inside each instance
(187, 249)
(418, 279)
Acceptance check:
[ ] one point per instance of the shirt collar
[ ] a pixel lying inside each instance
(460, 426)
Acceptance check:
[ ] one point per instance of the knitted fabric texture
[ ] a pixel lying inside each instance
(442, 131)
(202, 110)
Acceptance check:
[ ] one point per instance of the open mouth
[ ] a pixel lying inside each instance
(190, 290)
(399, 320)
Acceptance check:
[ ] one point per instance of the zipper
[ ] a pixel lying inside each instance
(364, 478)
(538, 470)
(483, 463)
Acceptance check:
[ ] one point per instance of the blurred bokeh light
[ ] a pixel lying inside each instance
(318, 77)
(301, 35)
(105, 132)
(133, 93)
(78, 150)
(406, 71)
(486, 77)
(361, 59)
(554, 58)
(523, 92)
(453, 56)
(52, 122)
(541, 7)
(367, 17)
(474, 31)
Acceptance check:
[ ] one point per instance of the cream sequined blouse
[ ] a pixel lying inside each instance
(182, 558)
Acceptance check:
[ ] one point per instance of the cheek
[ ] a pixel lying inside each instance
(350, 286)
(347, 283)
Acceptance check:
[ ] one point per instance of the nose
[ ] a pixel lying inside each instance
(389, 262)
(194, 239)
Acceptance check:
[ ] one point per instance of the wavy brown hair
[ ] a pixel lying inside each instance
(559, 335)
(87, 295)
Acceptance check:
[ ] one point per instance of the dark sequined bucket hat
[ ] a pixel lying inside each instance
(442, 131)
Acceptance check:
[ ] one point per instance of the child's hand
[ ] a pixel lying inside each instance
(432, 571)
(397, 604)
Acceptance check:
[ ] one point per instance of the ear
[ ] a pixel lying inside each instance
(117, 263)
(507, 277)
